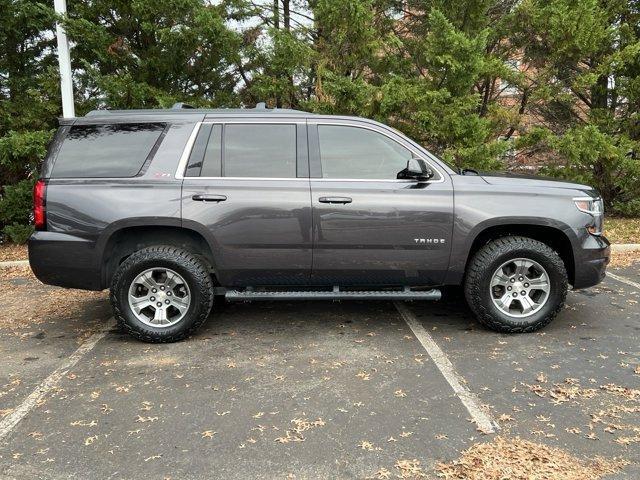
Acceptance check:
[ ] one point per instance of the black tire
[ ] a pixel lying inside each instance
(489, 258)
(193, 271)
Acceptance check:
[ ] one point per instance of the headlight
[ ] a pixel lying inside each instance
(595, 208)
(592, 206)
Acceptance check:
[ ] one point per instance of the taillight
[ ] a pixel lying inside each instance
(39, 202)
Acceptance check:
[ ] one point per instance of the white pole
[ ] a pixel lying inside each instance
(64, 60)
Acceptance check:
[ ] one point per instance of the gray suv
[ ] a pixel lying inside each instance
(171, 208)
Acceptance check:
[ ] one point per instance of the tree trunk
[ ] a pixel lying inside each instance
(276, 25)
(286, 10)
(276, 14)
(599, 92)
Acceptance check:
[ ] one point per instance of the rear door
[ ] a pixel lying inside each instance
(246, 182)
(370, 227)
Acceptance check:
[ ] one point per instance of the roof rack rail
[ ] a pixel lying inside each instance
(186, 109)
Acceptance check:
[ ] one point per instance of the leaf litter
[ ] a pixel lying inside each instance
(519, 459)
(300, 425)
(23, 309)
(624, 258)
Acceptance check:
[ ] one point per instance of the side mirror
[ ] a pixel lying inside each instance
(417, 169)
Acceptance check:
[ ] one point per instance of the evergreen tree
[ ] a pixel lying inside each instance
(586, 91)
(416, 69)
(29, 103)
(152, 53)
(434, 69)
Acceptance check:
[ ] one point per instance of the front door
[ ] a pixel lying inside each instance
(369, 227)
(247, 183)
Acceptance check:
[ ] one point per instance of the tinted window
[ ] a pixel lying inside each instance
(106, 150)
(212, 166)
(206, 155)
(352, 152)
(267, 151)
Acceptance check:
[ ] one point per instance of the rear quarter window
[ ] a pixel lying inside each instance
(118, 150)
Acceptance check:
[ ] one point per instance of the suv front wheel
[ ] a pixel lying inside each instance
(516, 284)
(161, 294)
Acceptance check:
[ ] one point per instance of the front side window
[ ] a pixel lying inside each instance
(359, 153)
(99, 151)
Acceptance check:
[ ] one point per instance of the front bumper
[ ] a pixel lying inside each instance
(591, 259)
(64, 260)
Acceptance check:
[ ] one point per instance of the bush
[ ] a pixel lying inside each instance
(628, 209)
(594, 157)
(21, 153)
(16, 203)
(18, 233)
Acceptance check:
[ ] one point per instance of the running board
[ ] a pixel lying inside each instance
(336, 294)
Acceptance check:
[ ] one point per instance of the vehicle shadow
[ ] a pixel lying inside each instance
(279, 316)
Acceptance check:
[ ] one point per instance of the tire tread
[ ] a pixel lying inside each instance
(187, 261)
(477, 269)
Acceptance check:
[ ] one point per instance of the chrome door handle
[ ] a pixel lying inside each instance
(342, 200)
(203, 197)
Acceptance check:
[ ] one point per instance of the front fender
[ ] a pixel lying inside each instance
(465, 234)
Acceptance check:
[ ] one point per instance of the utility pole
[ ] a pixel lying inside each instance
(64, 61)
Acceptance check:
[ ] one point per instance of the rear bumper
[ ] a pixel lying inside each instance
(591, 259)
(64, 260)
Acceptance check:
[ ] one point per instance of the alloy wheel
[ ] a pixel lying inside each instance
(159, 297)
(520, 287)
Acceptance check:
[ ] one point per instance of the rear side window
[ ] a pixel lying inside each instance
(244, 150)
(205, 159)
(117, 150)
(267, 151)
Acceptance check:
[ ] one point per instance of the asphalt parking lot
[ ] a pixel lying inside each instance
(310, 389)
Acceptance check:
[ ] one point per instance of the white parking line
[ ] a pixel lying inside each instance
(623, 280)
(483, 421)
(10, 421)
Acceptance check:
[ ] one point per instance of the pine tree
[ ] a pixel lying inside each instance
(586, 91)
(152, 53)
(434, 69)
(29, 103)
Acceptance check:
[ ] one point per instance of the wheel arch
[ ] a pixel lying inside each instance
(123, 240)
(552, 235)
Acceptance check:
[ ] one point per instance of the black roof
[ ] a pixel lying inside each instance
(182, 109)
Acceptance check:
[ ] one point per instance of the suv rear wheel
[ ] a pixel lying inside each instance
(161, 294)
(516, 284)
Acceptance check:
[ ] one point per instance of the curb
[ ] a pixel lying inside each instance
(625, 247)
(14, 263)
